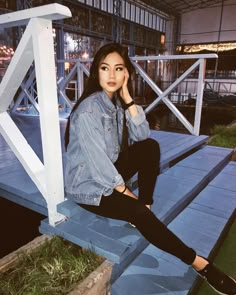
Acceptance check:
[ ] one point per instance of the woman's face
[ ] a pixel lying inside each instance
(111, 73)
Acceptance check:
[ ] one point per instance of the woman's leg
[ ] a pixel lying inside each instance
(123, 207)
(142, 157)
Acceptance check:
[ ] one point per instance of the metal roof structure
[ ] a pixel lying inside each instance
(177, 7)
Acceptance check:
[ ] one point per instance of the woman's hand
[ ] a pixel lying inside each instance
(124, 92)
(124, 190)
(130, 194)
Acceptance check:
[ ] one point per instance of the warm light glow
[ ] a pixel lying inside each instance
(67, 66)
(162, 39)
(211, 47)
(6, 51)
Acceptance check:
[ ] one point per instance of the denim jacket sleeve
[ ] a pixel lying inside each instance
(93, 147)
(138, 126)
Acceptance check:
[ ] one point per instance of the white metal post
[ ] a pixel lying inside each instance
(49, 117)
(80, 79)
(200, 88)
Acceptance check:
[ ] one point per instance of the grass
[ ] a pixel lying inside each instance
(223, 136)
(225, 260)
(54, 268)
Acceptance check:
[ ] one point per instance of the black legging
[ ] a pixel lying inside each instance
(142, 157)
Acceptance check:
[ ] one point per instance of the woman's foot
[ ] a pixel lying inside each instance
(219, 281)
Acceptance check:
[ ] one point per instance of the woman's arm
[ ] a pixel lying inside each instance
(137, 124)
(92, 144)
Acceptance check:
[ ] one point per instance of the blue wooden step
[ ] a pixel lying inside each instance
(117, 240)
(201, 225)
(16, 185)
(174, 145)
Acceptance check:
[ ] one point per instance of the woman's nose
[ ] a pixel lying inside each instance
(112, 73)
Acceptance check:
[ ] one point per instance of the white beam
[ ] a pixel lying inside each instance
(49, 116)
(174, 57)
(53, 11)
(200, 90)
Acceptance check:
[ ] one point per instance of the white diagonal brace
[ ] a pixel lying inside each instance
(17, 69)
(162, 95)
(170, 88)
(23, 151)
(49, 117)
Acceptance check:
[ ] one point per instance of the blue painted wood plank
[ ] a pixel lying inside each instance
(87, 238)
(173, 143)
(217, 150)
(19, 184)
(153, 270)
(122, 232)
(230, 168)
(115, 229)
(225, 180)
(35, 206)
(199, 229)
(200, 161)
(179, 171)
(180, 150)
(69, 208)
(214, 197)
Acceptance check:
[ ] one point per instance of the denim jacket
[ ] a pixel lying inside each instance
(96, 130)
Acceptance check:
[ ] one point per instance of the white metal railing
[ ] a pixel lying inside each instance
(163, 95)
(80, 69)
(36, 45)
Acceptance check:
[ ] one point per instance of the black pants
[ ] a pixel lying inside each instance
(142, 157)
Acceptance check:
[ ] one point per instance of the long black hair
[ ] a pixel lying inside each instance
(93, 84)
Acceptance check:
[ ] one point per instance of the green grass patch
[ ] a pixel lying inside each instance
(223, 136)
(54, 268)
(225, 260)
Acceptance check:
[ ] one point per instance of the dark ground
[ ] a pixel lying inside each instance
(18, 226)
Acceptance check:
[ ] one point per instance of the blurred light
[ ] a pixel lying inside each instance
(85, 55)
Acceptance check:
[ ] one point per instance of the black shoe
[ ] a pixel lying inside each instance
(219, 281)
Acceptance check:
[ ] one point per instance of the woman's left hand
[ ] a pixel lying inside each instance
(124, 92)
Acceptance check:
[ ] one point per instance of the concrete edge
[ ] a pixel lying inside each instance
(97, 282)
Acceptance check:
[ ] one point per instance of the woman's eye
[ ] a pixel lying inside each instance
(104, 68)
(119, 69)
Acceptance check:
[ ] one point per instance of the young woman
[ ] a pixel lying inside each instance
(99, 160)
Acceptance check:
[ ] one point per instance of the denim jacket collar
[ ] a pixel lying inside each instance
(108, 101)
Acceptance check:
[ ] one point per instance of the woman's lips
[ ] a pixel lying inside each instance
(112, 84)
